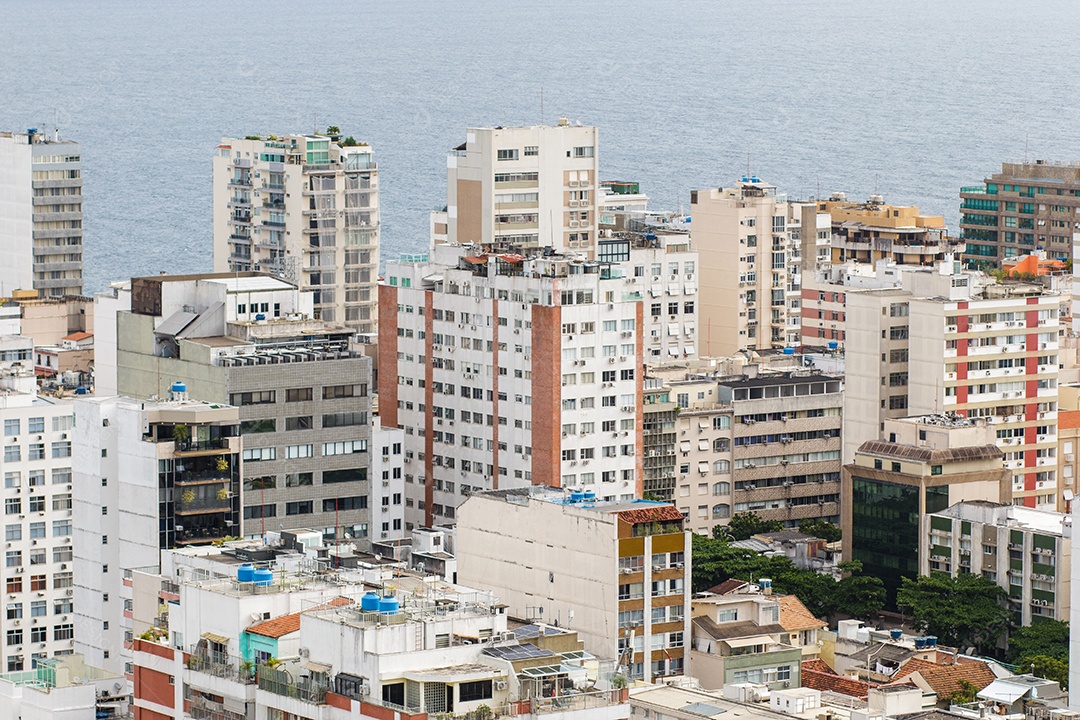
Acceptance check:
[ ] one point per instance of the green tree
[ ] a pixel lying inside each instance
(961, 611)
(857, 595)
(1044, 637)
(1046, 667)
(333, 130)
(820, 528)
(968, 692)
(745, 524)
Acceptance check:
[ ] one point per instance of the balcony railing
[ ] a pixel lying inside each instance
(222, 665)
(281, 682)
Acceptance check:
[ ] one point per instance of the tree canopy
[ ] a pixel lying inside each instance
(746, 524)
(856, 595)
(1046, 667)
(967, 610)
(820, 528)
(1044, 637)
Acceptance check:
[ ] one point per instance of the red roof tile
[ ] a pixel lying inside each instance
(817, 665)
(945, 680)
(285, 624)
(795, 616)
(913, 665)
(657, 513)
(816, 680)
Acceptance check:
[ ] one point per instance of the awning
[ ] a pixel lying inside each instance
(656, 292)
(673, 289)
(316, 667)
(673, 329)
(1002, 691)
(684, 446)
(690, 288)
(220, 639)
(689, 349)
(749, 641)
(702, 444)
(673, 352)
(703, 423)
(703, 467)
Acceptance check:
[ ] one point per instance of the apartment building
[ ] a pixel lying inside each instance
(926, 464)
(387, 483)
(960, 343)
(1026, 552)
(617, 572)
(749, 241)
(659, 263)
(762, 442)
(37, 466)
(507, 370)
(824, 298)
(41, 218)
(873, 231)
(1024, 207)
(305, 208)
(249, 339)
(235, 647)
(524, 187)
(148, 476)
(659, 438)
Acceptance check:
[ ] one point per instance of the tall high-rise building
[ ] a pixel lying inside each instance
(1025, 207)
(249, 340)
(37, 467)
(947, 342)
(305, 208)
(526, 187)
(748, 240)
(508, 370)
(148, 476)
(41, 218)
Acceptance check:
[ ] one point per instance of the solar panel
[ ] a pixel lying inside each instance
(524, 651)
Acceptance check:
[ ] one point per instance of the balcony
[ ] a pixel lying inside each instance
(220, 664)
(311, 689)
(193, 447)
(191, 504)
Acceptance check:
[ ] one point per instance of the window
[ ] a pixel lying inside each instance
(253, 398)
(471, 691)
(12, 453)
(531, 150)
(345, 503)
(255, 512)
(61, 502)
(299, 508)
(37, 503)
(298, 479)
(293, 452)
(332, 392)
(61, 528)
(14, 637)
(346, 447)
(12, 506)
(249, 427)
(37, 425)
(259, 454)
(508, 154)
(37, 530)
(584, 151)
(344, 419)
(64, 632)
(298, 395)
(298, 423)
(345, 475)
(62, 606)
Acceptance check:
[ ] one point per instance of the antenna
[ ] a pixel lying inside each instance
(315, 123)
(747, 163)
(541, 104)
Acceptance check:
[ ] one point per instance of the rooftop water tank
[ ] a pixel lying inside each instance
(263, 577)
(81, 390)
(931, 641)
(259, 317)
(370, 602)
(833, 344)
(389, 605)
(920, 643)
(178, 387)
(789, 351)
(245, 573)
(896, 633)
(590, 496)
(577, 496)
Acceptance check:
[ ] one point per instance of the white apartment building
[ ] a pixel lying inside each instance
(306, 208)
(37, 466)
(41, 218)
(525, 187)
(506, 370)
(148, 476)
(948, 342)
(748, 239)
(387, 483)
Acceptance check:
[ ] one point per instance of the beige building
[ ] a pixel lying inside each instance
(948, 342)
(744, 236)
(927, 464)
(305, 208)
(41, 218)
(1026, 552)
(523, 187)
(617, 572)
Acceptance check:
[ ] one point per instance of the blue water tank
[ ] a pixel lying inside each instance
(389, 605)
(263, 577)
(81, 390)
(896, 633)
(245, 573)
(789, 351)
(833, 344)
(755, 178)
(931, 641)
(744, 178)
(370, 602)
(178, 387)
(688, 218)
(590, 496)
(260, 316)
(577, 496)
(920, 643)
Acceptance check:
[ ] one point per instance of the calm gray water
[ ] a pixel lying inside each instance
(908, 99)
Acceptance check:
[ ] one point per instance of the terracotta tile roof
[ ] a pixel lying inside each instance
(728, 586)
(794, 615)
(285, 624)
(830, 681)
(912, 665)
(656, 513)
(77, 336)
(944, 680)
(817, 665)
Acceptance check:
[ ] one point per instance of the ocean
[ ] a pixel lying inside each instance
(910, 100)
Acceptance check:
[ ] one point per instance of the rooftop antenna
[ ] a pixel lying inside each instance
(747, 163)
(315, 123)
(1026, 137)
(541, 105)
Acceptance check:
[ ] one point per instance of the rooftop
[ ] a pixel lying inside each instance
(929, 455)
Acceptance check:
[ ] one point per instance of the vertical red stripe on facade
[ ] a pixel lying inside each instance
(546, 394)
(387, 353)
(495, 393)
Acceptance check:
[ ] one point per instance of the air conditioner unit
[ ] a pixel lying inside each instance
(611, 360)
(500, 684)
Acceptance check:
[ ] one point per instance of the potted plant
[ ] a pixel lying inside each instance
(222, 494)
(222, 464)
(187, 497)
(181, 433)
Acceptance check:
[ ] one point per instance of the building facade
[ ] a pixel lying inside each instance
(249, 340)
(1024, 207)
(617, 572)
(1026, 552)
(524, 187)
(41, 218)
(305, 208)
(507, 370)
